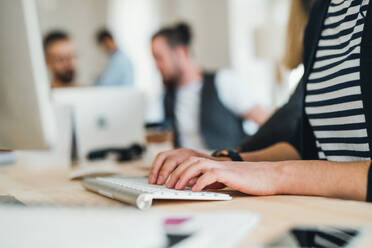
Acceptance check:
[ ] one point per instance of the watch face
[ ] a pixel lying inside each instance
(224, 153)
(221, 153)
(234, 156)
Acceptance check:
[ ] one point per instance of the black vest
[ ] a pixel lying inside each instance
(219, 127)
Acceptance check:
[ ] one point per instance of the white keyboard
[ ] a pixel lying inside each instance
(137, 191)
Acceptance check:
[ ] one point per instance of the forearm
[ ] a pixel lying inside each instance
(277, 152)
(347, 180)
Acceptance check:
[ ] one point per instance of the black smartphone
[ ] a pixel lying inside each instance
(317, 236)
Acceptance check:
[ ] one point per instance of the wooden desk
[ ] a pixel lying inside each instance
(278, 213)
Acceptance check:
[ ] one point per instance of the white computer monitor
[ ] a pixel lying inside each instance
(104, 117)
(26, 120)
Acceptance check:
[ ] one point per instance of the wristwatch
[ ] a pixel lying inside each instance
(233, 155)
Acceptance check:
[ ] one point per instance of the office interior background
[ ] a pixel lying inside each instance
(58, 184)
(245, 36)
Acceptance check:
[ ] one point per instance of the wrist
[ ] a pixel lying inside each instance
(276, 175)
(285, 178)
(255, 156)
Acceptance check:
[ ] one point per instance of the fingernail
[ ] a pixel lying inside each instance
(178, 185)
(151, 178)
(160, 179)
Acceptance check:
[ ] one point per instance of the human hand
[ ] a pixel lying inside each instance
(166, 162)
(249, 178)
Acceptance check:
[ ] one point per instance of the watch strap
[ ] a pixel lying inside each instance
(233, 155)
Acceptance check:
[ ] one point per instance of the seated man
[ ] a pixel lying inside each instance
(329, 153)
(119, 70)
(206, 110)
(60, 55)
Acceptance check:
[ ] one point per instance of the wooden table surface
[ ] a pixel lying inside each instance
(277, 213)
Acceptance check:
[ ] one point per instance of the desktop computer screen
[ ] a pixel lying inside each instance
(26, 120)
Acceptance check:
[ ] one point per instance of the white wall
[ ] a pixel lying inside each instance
(133, 22)
(81, 19)
(247, 18)
(210, 23)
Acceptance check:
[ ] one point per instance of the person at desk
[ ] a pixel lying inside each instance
(329, 152)
(282, 123)
(119, 70)
(206, 110)
(60, 56)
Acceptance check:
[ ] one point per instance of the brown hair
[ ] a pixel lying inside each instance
(298, 17)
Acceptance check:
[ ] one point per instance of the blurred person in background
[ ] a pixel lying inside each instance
(206, 110)
(60, 55)
(119, 69)
(284, 121)
(329, 152)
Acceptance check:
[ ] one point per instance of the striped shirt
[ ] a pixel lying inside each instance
(333, 102)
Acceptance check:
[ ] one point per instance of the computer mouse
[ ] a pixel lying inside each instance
(94, 171)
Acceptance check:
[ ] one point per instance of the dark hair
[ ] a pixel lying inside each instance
(177, 35)
(103, 34)
(53, 36)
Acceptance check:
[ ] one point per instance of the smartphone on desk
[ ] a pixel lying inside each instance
(318, 236)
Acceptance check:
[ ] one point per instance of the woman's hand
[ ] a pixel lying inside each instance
(166, 162)
(249, 178)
